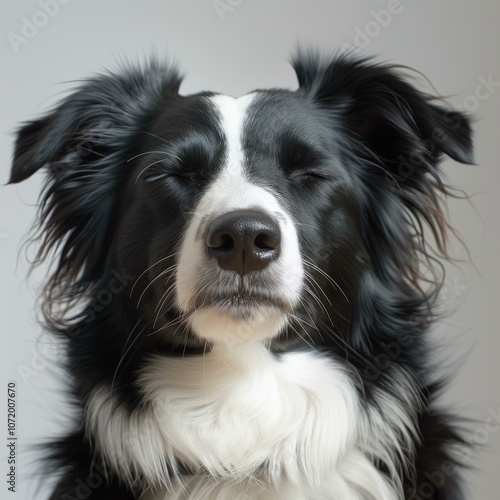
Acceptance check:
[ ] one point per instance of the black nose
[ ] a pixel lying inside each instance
(244, 240)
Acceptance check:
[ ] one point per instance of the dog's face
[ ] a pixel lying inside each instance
(236, 201)
(242, 218)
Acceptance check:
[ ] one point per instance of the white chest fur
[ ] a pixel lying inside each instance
(251, 424)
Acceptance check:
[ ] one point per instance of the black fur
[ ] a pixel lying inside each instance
(363, 219)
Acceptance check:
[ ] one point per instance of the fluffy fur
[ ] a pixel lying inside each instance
(296, 366)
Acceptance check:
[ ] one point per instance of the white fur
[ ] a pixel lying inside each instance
(289, 428)
(232, 190)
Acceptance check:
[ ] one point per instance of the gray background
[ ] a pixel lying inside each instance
(247, 45)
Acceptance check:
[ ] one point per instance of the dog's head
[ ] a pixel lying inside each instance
(257, 217)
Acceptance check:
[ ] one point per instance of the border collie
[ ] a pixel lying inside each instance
(244, 286)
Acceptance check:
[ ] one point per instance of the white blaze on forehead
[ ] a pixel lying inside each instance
(232, 189)
(233, 113)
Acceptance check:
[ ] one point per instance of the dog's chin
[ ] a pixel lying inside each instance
(236, 323)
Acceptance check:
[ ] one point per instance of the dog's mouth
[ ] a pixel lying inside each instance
(240, 304)
(236, 317)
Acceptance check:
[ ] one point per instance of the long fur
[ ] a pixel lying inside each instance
(187, 389)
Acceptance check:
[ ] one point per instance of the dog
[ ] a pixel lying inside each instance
(244, 286)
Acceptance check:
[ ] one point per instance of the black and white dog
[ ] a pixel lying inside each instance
(242, 284)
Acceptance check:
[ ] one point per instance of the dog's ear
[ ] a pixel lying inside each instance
(394, 136)
(84, 143)
(385, 112)
(102, 113)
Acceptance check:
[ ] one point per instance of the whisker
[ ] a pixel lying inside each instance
(156, 136)
(330, 330)
(162, 302)
(148, 166)
(163, 273)
(327, 276)
(151, 266)
(125, 351)
(164, 295)
(311, 279)
(155, 152)
(300, 336)
(309, 290)
(167, 325)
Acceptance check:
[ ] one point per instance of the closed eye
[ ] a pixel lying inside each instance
(301, 161)
(149, 173)
(157, 175)
(314, 173)
(158, 171)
